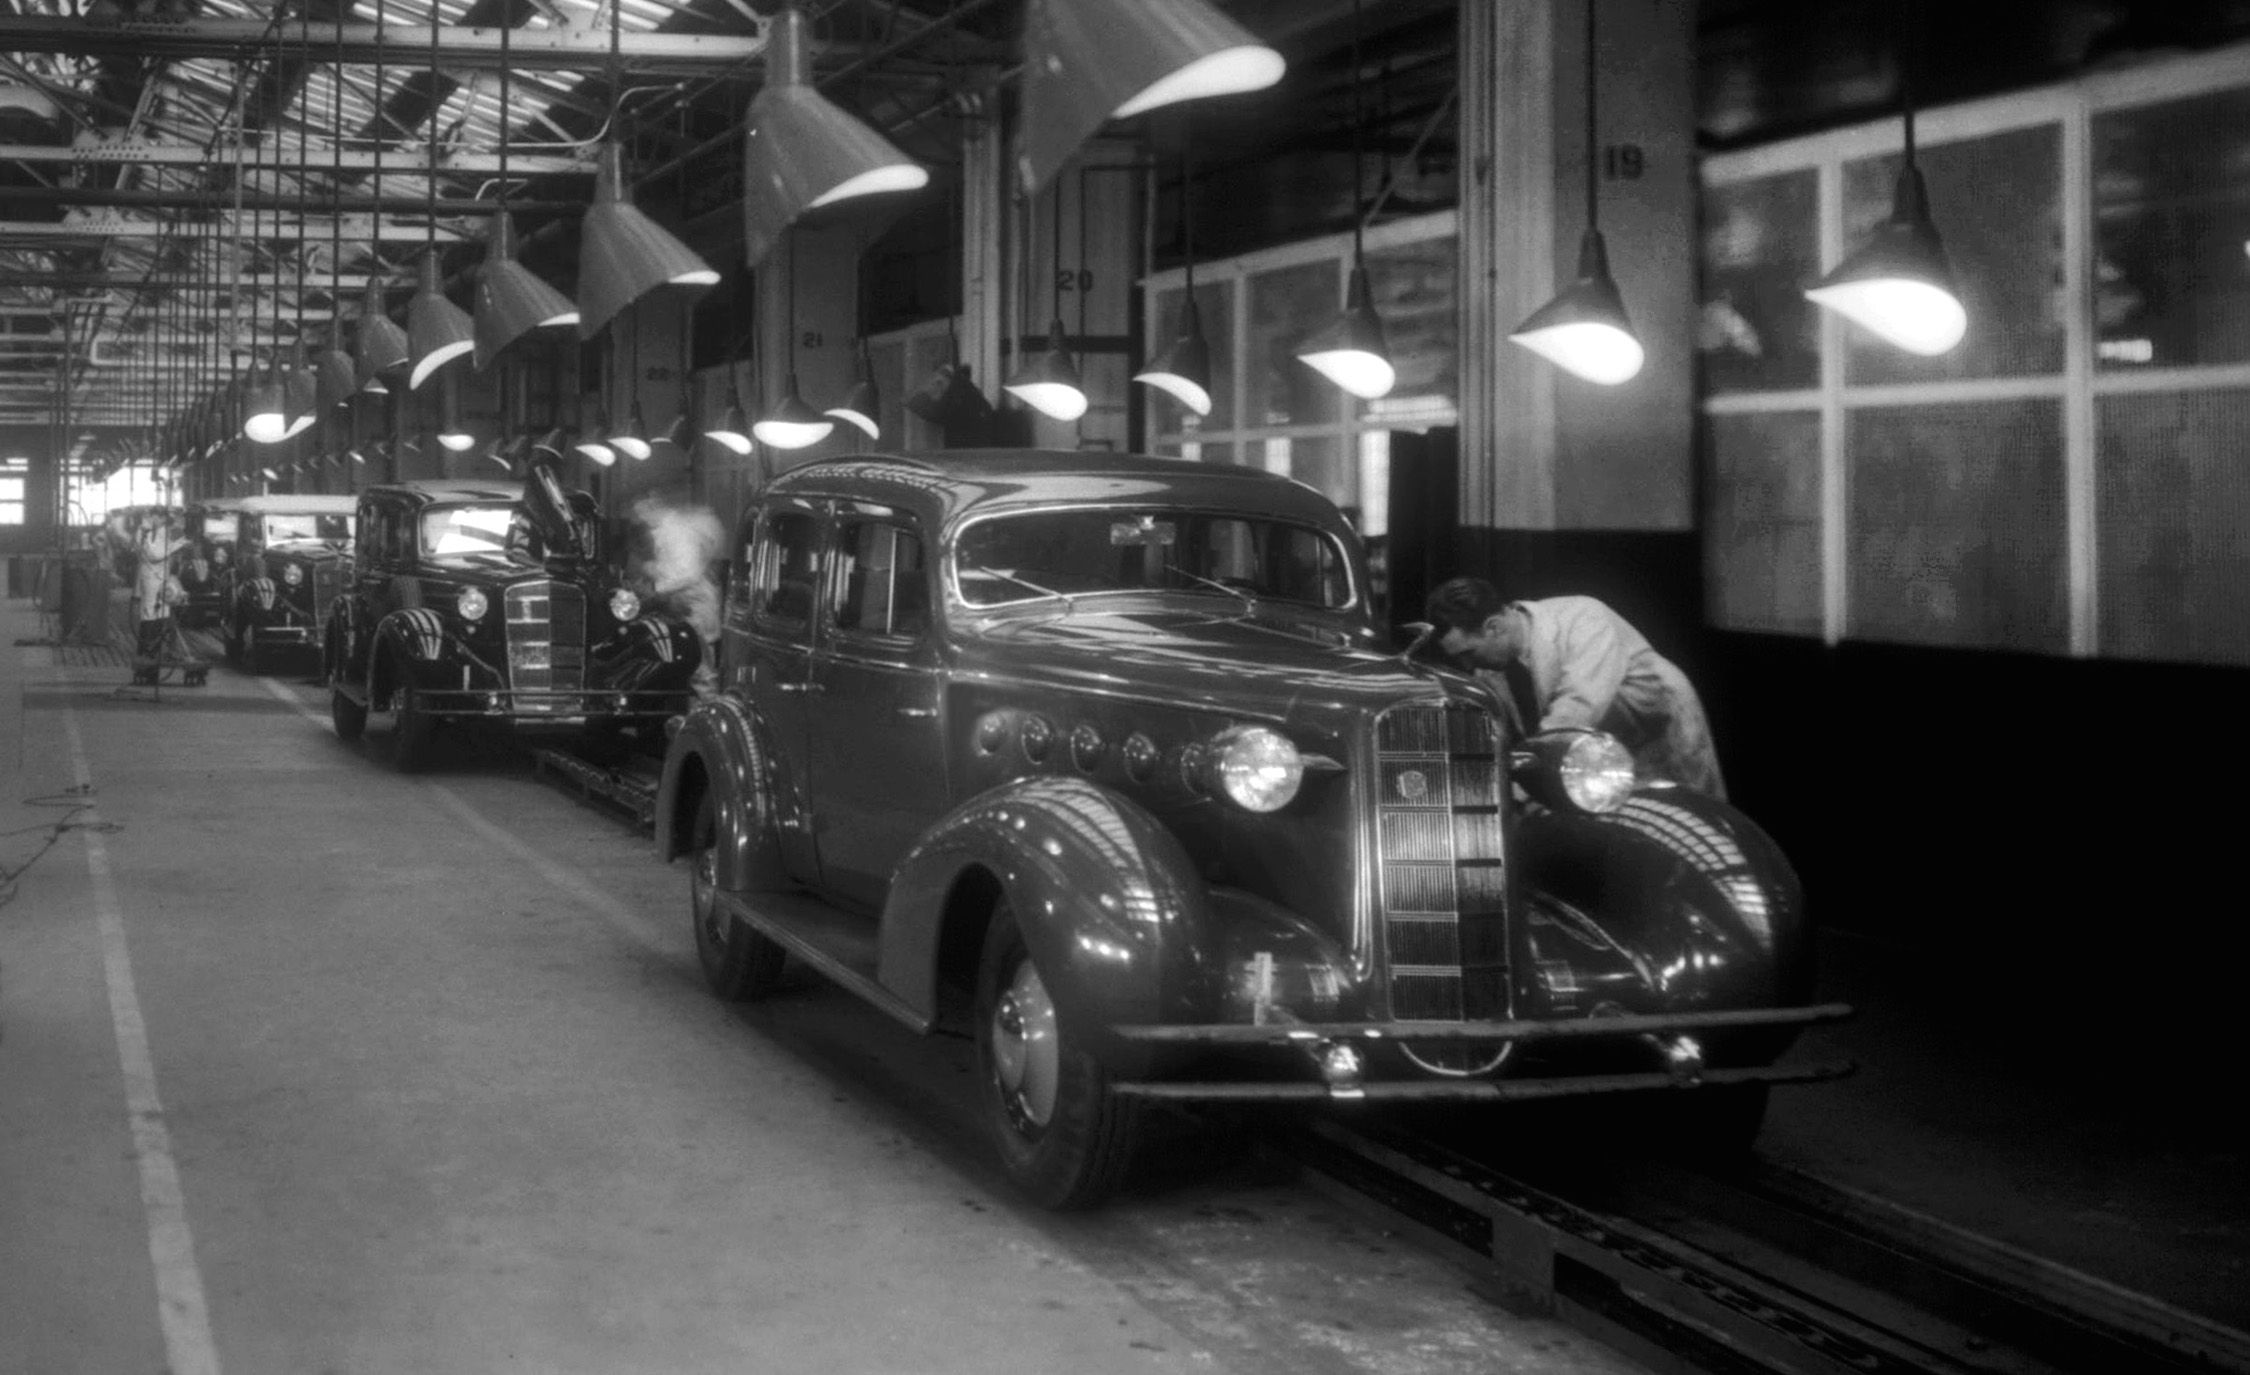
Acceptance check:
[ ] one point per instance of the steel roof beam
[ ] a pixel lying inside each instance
(355, 227)
(404, 45)
(319, 158)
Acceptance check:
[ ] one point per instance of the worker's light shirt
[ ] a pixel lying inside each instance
(1591, 668)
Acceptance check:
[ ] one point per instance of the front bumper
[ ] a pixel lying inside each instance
(532, 709)
(1337, 1051)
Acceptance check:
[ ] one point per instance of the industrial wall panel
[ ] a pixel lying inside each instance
(1956, 525)
(1757, 331)
(1761, 545)
(2174, 525)
(2171, 187)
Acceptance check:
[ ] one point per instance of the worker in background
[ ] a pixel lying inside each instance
(1571, 661)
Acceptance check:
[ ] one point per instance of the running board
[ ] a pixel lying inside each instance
(790, 920)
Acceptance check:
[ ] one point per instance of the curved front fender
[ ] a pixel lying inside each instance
(1675, 896)
(721, 750)
(1108, 901)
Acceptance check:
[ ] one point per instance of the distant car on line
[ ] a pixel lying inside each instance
(291, 558)
(1104, 761)
(480, 603)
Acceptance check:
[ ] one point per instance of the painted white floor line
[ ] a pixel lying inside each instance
(188, 1348)
(622, 918)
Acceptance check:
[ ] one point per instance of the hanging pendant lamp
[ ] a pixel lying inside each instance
(1091, 61)
(437, 331)
(1584, 330)
(511, 299)
(733, 430)
(1048, 381)
(300, 394)
(1899, 285)
(1350, 350)
(793, 424)
(800, 151)
(631, 438)
(264, 418)
(381, 348)
(623, 254)
(339, 375)
(1183, 370)
(452, 433)
(859, 410)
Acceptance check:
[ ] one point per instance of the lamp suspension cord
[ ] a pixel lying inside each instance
(1358, 230)
(1187, 220)
(304, 182)
(377, 124)
(1908, 19)
(1079, 282)
(437, 108)
(1054, 240)
(1593, 150)
(336, 186)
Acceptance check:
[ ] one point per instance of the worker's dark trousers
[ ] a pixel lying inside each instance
(151, 637)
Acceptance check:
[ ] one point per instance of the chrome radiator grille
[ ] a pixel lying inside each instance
(546, 640)
(326, 581)
(1438, 842)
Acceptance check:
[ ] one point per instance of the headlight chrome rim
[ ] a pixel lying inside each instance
(624, 604)
(1596, 772)
(1259, 770)
(472, 604)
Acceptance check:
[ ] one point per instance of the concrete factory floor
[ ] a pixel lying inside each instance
(309, 1067)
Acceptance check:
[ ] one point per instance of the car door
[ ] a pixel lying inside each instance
(369, 596)
(768, 658)
(875, 734)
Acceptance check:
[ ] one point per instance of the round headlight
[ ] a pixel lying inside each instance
(1259, 769)
(624, 604)
(471, 604)
(1596, 772)
(293, 574)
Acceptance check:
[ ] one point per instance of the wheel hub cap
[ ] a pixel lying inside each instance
(1026, 1054)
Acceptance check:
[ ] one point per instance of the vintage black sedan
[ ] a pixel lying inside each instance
(291, 557)
(1104, 761)
(206, 569)
(481, 603)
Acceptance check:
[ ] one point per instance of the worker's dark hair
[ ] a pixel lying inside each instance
(1464, 604)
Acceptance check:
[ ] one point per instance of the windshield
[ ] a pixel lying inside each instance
(467, 529)
(1068, 553)
(306, 526)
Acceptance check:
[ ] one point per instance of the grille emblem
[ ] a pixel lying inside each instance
(1413, 786)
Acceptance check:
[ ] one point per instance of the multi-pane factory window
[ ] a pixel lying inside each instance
(2068, 480)
(1270, 410)
(13, 474)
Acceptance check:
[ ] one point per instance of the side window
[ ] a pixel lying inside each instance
(781, 579)
(881, 586)
(398, 536)
(372, 521)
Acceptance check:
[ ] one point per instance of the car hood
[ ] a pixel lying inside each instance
(1266, 664)
(489, 569)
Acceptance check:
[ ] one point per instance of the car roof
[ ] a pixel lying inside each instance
(304, 504)
(958, 480)
(452, 489)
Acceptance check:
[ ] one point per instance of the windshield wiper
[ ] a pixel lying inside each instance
(982, 572)
(1249, 602)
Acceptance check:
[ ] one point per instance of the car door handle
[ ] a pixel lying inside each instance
(918, 713)
(806, 688)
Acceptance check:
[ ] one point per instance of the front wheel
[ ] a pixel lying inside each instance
(411, 730)
(350, 717)
(739, 963)
(1062, 1135)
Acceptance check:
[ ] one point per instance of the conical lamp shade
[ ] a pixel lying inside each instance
(511, 300)
(858, 410)
(631, 438)
(623, 254)
(338, 374)
(1184, 370)
(792, 424)
(593, 445)
(733, 430)
(300, 394)
(381, 347)
(437, 331)
(1899, 285)
(1048, 380)
(1584, 330)
(265, 413)
(1091, 61)
(801, 152)
(1351, 351)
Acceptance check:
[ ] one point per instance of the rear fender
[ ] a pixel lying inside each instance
(721, 749)
(1109, 903)
(1674, 902)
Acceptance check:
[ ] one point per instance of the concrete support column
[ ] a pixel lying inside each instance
(817, 339)
(1540, 449)
(984, 230)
